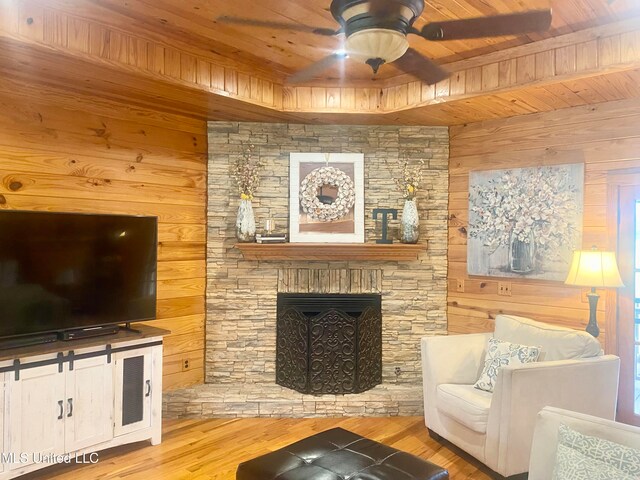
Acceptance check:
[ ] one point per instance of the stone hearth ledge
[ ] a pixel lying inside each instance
(219, 401)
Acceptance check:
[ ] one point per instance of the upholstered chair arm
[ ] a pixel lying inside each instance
(449, 359)
(588, 385)
(453, 358)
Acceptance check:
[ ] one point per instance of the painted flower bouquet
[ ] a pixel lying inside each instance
(535, 205)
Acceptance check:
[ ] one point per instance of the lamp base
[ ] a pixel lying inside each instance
(592, 326)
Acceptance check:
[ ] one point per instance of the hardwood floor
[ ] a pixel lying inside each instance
(212, 449)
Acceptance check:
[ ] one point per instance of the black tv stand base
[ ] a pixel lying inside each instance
(127, 327)
(89, 332)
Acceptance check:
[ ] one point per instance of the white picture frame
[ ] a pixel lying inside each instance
(307, 227)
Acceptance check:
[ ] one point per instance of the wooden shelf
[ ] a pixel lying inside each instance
(331, 251)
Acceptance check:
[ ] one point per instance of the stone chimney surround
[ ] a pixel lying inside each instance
(242, 294)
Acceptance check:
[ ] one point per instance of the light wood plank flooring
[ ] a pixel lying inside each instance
(212, 449)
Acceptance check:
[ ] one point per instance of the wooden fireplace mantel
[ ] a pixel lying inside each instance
(331, 251)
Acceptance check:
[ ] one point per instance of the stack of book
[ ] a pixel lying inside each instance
(271, 238)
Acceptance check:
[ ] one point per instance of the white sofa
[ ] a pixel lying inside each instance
(497, 428)
(545, 438)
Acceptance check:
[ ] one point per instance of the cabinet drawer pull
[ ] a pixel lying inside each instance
(70, 400)
(148, 388)
(60, 402)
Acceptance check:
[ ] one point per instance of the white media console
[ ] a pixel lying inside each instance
(64, 401)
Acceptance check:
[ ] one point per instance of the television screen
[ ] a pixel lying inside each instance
(61, 271)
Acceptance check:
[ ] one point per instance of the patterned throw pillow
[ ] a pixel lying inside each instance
(573, 465)
(501, 354)
(590, 458)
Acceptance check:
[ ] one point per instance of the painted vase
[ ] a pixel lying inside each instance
(409, 224)
(522, 253)
(245, 222)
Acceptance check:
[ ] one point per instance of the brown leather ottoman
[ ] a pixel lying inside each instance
(338, 454)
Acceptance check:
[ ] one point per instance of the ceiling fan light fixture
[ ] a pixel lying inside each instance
(376, 43)
(376, 30)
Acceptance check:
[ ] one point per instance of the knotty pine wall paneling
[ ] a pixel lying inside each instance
(65, 152)
(604, 136)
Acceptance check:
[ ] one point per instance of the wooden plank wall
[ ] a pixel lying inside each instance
(605, 137)
(62, 152)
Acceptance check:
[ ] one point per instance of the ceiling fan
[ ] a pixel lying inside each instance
(376, 33)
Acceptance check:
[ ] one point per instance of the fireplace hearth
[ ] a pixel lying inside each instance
(329, 343)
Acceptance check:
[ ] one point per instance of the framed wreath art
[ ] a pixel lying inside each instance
(326, 201)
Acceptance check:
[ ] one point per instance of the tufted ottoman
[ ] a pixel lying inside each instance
(338, 454)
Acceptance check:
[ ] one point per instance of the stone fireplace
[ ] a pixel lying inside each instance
(328, 344)
(241, 305)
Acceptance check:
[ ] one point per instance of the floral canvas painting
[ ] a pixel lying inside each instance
(525, 222)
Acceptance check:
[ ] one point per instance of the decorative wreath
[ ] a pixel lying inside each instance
(311, 204)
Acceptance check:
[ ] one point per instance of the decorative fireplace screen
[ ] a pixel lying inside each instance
(329, 344)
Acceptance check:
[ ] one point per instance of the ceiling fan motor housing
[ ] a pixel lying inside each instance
(354, 15)
(372, 39)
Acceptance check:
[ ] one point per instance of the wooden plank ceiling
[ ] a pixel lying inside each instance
(170, 47)
(285, 51)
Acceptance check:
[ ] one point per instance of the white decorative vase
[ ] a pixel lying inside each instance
(245, 222)
(409, 224)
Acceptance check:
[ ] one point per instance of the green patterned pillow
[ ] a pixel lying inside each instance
(500, 354)
(591, 458)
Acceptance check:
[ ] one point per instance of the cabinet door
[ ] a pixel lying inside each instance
(89, 403)
(36, 414)
(133, 391)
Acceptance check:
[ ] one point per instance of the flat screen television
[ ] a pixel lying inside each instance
(64, 271)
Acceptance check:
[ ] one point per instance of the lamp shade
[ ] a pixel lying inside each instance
(592, 268)
(388, 45)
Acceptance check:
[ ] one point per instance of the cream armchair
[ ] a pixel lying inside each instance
(497, 428)
(545, 438)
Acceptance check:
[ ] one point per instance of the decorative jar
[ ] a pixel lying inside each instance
(409, 224)
(245, 222)
(522, 253)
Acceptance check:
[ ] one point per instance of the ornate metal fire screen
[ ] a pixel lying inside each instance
(329, 344)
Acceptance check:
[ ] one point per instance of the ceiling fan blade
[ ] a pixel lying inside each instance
(497, 25)
(328, 32)
(384, 9)
(421, 67)
(316, 68)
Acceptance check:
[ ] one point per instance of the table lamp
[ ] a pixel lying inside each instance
(595, 269)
